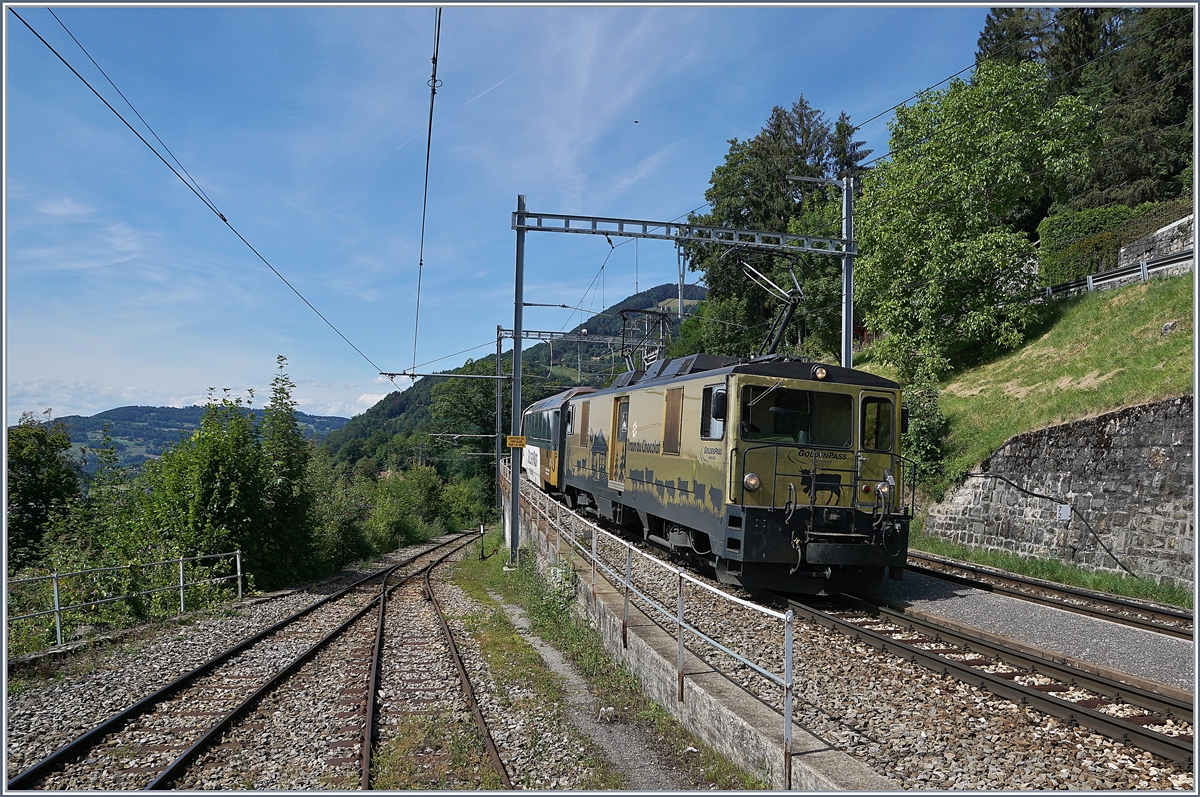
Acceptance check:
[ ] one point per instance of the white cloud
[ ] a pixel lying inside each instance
(64, 207)
(368, 400)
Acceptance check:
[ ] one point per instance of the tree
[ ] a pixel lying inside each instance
(944, 267)
(206, 494)
(42, 480)
(1014, 35)
(751, 190)
(1144, 93)
(286, 535)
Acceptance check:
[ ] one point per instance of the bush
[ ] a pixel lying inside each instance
(926, 431)
(1077, 243)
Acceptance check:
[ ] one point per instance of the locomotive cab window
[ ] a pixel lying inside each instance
(877, 424)
(712, 416)
(772, 413)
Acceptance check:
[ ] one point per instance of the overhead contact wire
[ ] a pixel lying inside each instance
(194, 189)
(433, 87)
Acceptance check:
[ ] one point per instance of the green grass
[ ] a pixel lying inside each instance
(1102, 351)
(548, 607)
(1056, 571)
(1088, 355)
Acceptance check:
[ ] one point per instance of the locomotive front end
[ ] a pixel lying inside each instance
(815, 478)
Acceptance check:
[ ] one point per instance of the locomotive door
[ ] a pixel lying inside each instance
(877, 442)
(619, 436)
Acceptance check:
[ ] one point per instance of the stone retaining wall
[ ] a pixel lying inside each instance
(1129, 473)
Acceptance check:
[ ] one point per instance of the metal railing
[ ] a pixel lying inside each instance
(552, 513)
(1143, 270)
(56, 579)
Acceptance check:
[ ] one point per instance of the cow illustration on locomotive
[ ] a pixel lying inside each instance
(773, 472)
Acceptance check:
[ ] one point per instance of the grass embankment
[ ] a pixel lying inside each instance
(1088, 355)
(1092, 354)
(548, 605)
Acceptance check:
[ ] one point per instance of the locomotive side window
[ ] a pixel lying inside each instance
(877, 424)
(583, 422)
(570, 420)
(673, 423)
(777, 414)
(712, 428)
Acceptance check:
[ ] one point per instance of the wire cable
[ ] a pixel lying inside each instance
(194, 190)
(433, 87)
(204, 197)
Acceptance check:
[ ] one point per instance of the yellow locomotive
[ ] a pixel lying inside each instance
(774, 472)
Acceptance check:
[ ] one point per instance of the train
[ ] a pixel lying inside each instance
(773, 473)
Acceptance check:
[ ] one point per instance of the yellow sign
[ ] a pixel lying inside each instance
(516, 441)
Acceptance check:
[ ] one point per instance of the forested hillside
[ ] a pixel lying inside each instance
(141, 433)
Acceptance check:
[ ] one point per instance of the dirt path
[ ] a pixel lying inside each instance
(629, 750)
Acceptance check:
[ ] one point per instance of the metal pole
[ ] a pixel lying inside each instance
(57, 612)
(239, 573)
(680, 257)
(594, 569)
(787, 699)
(679, 621)
(499, 416)
(181, 609)
(848, 272)
(518, 306)
(625, 613)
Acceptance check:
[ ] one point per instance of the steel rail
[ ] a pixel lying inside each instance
(86, 741)
(993, 646)
(488, 742)
(1171, 748)
(372, 689)
(1115, 607)
(214, 733)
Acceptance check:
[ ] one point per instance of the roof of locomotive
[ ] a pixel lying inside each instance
(779, 366)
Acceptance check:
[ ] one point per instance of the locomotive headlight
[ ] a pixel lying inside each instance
(884, 489)
(752, 482)
(819, 372)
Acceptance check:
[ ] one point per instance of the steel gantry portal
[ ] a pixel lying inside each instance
(753, 240)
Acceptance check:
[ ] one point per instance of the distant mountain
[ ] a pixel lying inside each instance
(407, 412)
(141, 433)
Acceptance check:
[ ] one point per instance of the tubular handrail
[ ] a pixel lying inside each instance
(181, 587)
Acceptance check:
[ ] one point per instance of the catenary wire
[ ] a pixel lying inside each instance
(194, 190)
(433, 87)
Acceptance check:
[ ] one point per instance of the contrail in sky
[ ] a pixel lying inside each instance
(468, 102)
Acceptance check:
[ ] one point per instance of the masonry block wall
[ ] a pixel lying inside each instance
(1129, 473)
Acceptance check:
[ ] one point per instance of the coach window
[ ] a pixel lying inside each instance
(877, 424)
(712, 428)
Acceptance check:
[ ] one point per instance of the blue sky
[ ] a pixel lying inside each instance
(306, 127)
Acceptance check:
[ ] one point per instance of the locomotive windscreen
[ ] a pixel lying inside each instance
(776, 414)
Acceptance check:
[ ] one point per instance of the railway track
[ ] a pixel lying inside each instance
(154, 743)
(1159, 721)
(1146, 616)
